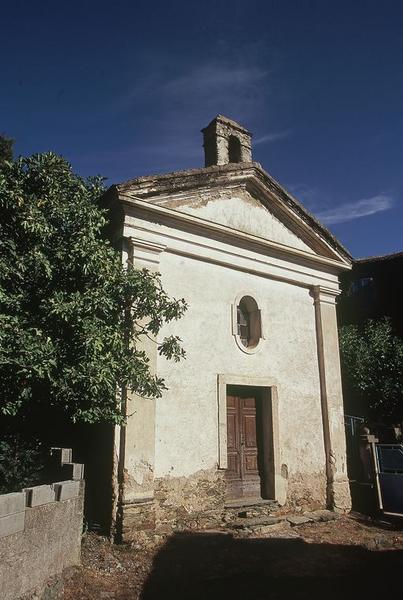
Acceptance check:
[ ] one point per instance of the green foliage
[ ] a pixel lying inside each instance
(372, 367)
(71, 317)
(21, 463)
(6, 149)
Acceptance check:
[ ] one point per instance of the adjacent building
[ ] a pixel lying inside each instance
(374, 289)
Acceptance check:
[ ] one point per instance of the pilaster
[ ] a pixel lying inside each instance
(338, 492)
(137, 437)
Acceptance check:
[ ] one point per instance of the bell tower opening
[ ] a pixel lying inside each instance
(225, 141)
(234, 149)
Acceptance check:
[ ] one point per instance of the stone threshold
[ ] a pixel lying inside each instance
(249, 502)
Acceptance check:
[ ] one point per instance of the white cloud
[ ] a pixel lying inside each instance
(216, 77)
(236, 83)
(179, 96)
(275, 136)
(356, 210)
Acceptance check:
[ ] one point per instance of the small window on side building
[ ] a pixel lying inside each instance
(360, 284)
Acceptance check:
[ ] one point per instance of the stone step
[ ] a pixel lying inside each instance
(243, 503)
(256, 521)
(321, 515)
(249, 509)
(265, 524)
(256, 511)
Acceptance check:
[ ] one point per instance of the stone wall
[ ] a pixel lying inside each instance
(306, 491)
(40, 534)
(198, 502)
(194, 501)
(179, 503)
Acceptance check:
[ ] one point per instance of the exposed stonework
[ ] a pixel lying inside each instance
(307, 491)
(225, 141)
(197, 500)
(179, 503)
(137, 522)
(273, 525)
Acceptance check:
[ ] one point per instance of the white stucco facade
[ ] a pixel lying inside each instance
(214, 235)
(287, 356)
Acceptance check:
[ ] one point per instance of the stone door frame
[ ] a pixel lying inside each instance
(273, 480)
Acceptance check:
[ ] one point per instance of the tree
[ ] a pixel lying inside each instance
(372, 368)
(71, 316)
(6, 149)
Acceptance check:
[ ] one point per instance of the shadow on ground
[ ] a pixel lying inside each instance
(213, 565)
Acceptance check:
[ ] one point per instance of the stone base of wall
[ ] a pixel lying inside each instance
(179, 503)
(138, 522)
(191, 502)
(198, 502)
(306, 491)
(341, 495)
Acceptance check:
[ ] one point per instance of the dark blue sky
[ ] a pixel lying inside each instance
(123, 88)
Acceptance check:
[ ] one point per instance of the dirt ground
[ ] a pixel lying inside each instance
(347, 558)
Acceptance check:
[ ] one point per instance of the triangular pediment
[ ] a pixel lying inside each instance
(244, 198)
(239, 210)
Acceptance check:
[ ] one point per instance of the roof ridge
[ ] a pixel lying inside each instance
(380, 257)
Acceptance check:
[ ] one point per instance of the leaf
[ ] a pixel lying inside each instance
(71, 316)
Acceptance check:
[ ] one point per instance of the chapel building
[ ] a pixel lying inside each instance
(255, 411)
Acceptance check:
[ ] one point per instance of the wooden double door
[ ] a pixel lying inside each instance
(244, 433)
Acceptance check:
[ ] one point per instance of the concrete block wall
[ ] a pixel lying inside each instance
(40, 532)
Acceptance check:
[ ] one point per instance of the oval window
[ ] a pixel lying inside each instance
(248, 322)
